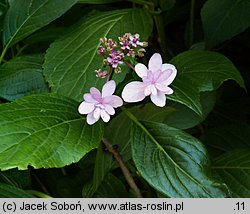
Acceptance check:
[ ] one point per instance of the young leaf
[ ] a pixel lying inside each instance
(234, 168)
(22, 76)
(8, 191)
(200, 71)
(44, 130)
(173, 162)
(26, 16)
(224, 19)
(70, 62)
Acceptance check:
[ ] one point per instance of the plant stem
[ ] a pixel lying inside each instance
(2, 55)
(41, 184)
(123, 167)
(129, 65)
(37, 193)
(191, 24)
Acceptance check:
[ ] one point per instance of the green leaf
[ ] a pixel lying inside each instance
(111, 187)
(26, 16)
(173, 162)
(167, 4)
(46, 35)
(8, 191)
(184, 118)
(44, 130)
(228, 137)
(224, 19)
(234, 168)
(121, 137)
(200, 71)
(22, 76)
(70, 62)
(97, 1)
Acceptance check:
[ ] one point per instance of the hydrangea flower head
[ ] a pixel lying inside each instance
(155, 82)
(100, 105)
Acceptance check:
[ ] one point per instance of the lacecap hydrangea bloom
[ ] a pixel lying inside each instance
(100, 105)
(155, 82)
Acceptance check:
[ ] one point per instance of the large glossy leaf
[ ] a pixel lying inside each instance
(228, 137)
(183, 117)
(22, 76)
(8, 191)
(200, 71)
(234, 168)
(111, 187)
(44, 131)
(26, 16)
(121, 137)
(173, 162)
(71, 60)
(224, 19)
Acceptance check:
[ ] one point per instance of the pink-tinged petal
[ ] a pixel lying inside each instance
(161, 87)
(133, 92)
(116, 101)
(164, 89)
(150, 89)
(159, 99)
(94, 90)
(97, 113)
(147, 90)
(169, 91)
(108, 89)
(85, 108)
(170, 73)
(88, 97)
(109, 109)
(141, 70)
(155, 62)
(153, 90)
(91, 119)
(105, 117)
(96, 94)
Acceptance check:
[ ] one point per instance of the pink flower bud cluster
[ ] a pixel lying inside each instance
(114, 53)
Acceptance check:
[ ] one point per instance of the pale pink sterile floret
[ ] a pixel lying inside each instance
(100, 105)
(155, 82)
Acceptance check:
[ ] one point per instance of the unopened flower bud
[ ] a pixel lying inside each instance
(141, 52)
(101, 74)
(118, 70)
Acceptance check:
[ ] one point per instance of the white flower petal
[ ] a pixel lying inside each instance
(153, 90)
(141, 70)
(109, 109)
(108, 88)
(159, 99)
(88, 97)
(133, 92)
(147, 90)
(155, 62)
(90, 119)
(85, 108)
(170, 74)
(115, 101)
(105, 116)
(169, 91)
(97, 113)
(95, 91)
